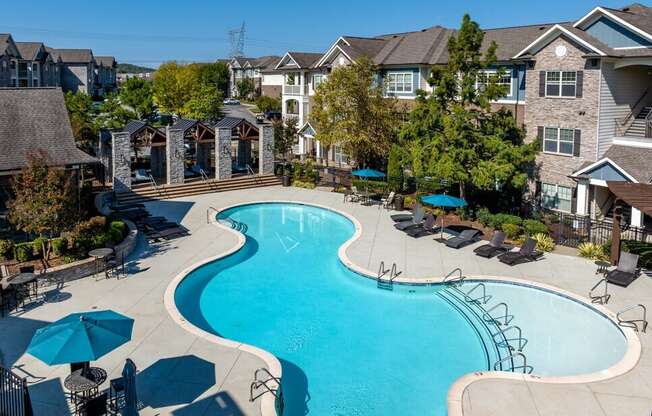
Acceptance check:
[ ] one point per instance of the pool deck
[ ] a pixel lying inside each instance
(181, 373)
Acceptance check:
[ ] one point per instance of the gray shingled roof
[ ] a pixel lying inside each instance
(29, 50)
(134, 126)
(635, 160)
(305, 59)
(229, 122)
(34, 119)
(265, 62)
(512, 40)
(108, 61)
(184, 124)
(5, 38)
(75, 55)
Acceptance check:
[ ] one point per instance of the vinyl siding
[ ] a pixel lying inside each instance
(614, 35)
(620, 89)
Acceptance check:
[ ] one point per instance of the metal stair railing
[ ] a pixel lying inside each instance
(159, 189)
(393, 274)
(449, 279)
(522, 342)
(265, 384)
(481, 299)
(633, 323)
(527, 369)
(601, 299)
(381, 270)
(252, 174)
(503, 319)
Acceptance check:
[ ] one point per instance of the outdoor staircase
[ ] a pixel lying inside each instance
(147, 192)
(638, 128)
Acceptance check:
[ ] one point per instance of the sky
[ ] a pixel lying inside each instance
(148, 32)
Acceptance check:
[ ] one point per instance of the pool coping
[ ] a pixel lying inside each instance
(456, 390)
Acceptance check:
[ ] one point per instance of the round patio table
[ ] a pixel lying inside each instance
(100, 254)
(24, 279)
(83, 384)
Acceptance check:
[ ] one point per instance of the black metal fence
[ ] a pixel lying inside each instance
(14, 396)
(571, 230)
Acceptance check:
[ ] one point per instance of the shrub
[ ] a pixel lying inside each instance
(59, 246)
(544, 242)
(532, 227)
(297, 170)
(409, 202)
(512, 231)
(23, 252)
(484, 216)
(643, 249)
(120, 226)
(304, 184)
(309, 170)
(6, 249)
(498, 220)
(266, 103)
(100, 240)
(37, 246)
(591, 251)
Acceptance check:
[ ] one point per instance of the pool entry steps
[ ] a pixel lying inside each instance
(388, 282)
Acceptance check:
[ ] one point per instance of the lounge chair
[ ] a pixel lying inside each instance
(416, 221)
(141, 175)
(407, 217)
(465, 238)
(495, 246)
(167, 234)
(386, 202)
(427, 228)
(626, 272)
(526, 253)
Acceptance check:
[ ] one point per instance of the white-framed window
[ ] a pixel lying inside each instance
(504, 80)
(339, 155)
(559, 141)
(317, 79)
(561, 83)
(556, 197)
(399, 82)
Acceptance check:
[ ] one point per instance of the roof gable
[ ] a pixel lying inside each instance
(636, 18)
(553, 33)
(286, 62)
(616, 35)
(8, 46)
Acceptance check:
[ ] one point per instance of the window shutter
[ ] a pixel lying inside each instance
(574, 200)
(576, 143)
(542, 83)
(580, 84)
(540, 137)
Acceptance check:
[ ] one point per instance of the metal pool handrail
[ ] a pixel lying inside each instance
(457, 279)
(257, 383)
(632, 323)
(527, 369)
(601, 299)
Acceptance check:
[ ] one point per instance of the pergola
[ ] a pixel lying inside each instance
(637, 195)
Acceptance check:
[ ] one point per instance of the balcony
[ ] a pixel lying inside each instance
(292, 89)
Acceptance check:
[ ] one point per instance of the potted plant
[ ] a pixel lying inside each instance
(287, 181)
(398, 202)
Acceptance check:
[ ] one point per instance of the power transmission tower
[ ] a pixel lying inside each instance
(237, 37)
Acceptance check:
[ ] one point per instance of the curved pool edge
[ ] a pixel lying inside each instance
(456, 390)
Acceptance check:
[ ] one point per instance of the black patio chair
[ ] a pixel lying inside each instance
(407, 217)
(427, 228)
(526, 253)
(416, 221)
(626, 271)
(95, 406)
(495, 246)
(465, 238)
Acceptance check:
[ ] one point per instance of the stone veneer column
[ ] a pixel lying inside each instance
(266, 150)
(174, 156)
(223, 153)
(121, 155)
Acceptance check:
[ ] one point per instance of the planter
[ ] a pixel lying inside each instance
(286, 180)
(398, 203)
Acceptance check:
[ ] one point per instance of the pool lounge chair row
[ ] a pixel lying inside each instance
(155, 228)
(416, 226)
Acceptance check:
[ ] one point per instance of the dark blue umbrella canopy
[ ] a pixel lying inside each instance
(443, 200)
(81, 337)
(368, 173)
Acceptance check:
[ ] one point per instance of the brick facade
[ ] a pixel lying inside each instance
(573, 113)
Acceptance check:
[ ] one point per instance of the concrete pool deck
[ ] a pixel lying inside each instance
(181, 373)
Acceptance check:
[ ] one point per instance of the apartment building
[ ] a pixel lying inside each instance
(33, 64)
(583, 89)
(258, 71)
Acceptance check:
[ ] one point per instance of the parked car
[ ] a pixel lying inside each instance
(260, 118)
(273, 115)
(231, 101)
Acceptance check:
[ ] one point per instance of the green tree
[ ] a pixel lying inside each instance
(216, 74)
(245, 87)
(136, 93)
(350, 110)
(453, 134)
(81, 114)
(204, 104)
(266, 103)
(113, 114)
(45, 201)
(285, 134)
(173, 86)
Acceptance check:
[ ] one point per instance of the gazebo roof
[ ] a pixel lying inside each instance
(638, 195)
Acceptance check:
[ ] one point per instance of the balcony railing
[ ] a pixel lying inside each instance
(292, 89)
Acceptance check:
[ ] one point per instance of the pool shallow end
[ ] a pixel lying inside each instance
(454, 400)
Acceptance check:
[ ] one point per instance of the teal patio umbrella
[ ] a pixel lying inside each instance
(368, 173)
(445, 201)
(80, 337)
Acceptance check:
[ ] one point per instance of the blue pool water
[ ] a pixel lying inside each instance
(348, 347)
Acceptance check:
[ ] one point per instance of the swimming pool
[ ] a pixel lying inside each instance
(348, 347)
